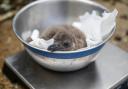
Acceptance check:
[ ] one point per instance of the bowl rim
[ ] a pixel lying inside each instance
(61, 52)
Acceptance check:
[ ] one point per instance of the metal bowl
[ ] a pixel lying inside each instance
(44, 13)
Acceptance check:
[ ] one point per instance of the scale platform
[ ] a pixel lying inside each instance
(109, 71)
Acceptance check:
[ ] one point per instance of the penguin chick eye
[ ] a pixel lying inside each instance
(66, 44)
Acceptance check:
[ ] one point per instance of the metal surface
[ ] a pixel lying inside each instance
(109, 70)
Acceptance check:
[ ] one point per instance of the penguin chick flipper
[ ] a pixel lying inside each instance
(48, 33)
(79, 39)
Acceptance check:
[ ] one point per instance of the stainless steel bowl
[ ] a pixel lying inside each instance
(44, 13)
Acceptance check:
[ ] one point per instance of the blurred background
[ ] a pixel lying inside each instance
(10, 45)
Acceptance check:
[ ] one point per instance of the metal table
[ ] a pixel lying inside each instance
(109, 71)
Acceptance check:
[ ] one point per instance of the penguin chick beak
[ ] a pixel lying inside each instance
(54, 47)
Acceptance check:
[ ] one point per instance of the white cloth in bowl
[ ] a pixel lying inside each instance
(95, 27)
(40, 42)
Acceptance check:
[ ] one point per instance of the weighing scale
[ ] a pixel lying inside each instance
(109, 71)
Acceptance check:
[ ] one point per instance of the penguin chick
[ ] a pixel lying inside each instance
(66, 38)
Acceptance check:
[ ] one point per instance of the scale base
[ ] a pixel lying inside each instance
(109, 71)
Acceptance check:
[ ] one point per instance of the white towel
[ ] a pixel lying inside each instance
(40, 42)
(95, 27)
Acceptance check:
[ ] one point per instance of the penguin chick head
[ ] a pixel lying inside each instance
(63, 42)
